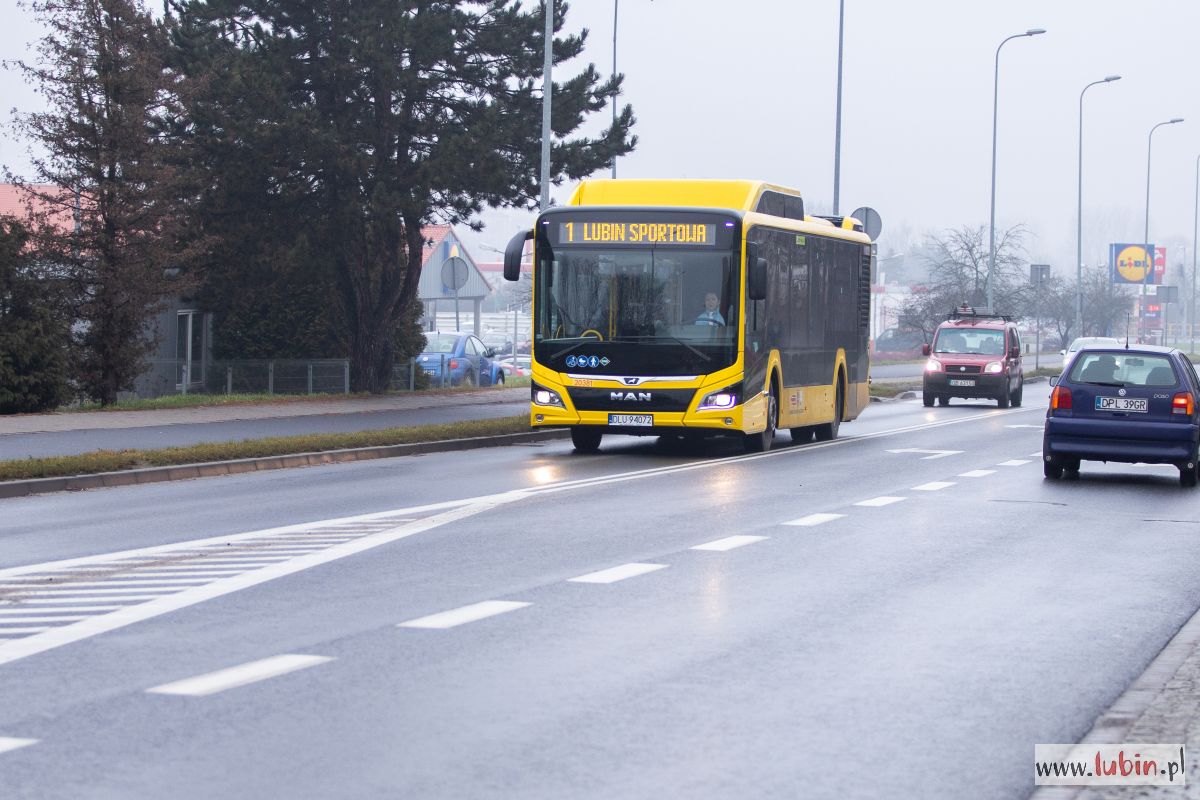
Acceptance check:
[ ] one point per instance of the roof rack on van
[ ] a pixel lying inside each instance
(970, 312)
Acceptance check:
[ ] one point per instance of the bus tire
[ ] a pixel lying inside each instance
(586, 440)
(829, 431)
(802, 435)
(761, 442)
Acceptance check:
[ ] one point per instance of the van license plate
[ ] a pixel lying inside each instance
(631, 419)
(1138, 405)
(961, 382)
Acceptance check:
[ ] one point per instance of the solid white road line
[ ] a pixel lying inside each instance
(728, 543)
(6, 610)
(113, 583)
(461, 616)
(64, 618)
(876, 502)
(1016, 462)
(8, 743)
(814, 519)
(6, 631)
(614, 574)
(68, 600)
(67, 589)
(241, 675)
(977, 473)
(933, 486)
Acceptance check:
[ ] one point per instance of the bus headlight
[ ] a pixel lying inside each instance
(542, 396)
(994, 367)
(722, 398)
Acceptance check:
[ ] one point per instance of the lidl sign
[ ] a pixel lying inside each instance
(1131, 263)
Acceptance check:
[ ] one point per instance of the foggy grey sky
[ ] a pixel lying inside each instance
(747, 89)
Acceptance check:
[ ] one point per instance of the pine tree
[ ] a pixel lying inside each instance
(33, 330)
(101, 70)
(341, 127)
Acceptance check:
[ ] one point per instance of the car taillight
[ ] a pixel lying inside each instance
(454, 363)
(1183, 403)
(1060, 399)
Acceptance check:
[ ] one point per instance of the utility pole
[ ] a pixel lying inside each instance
(547, 91)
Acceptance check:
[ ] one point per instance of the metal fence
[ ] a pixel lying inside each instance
(278, 376)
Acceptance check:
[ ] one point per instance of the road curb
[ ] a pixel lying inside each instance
(210, 469)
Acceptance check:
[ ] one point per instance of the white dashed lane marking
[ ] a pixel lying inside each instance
(814, 519)
(877, 502)
(614, 574)
(728, 543)
(933, 486)
(241, 675)
(1016, 462)
(8, 743)
(461, 616)
(977, 473)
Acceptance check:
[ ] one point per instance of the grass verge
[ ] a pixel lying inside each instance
(115, 460)
(893, 389)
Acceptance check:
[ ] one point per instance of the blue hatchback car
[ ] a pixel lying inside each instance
(458, 359)
(1124, 404)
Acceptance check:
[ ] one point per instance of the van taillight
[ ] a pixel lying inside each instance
(1060, 398)
(1183, 403)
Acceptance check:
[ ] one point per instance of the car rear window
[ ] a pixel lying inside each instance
(1124, 369)
(440, 344)
(969, 340)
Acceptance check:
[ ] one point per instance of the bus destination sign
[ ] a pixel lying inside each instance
(637, 233)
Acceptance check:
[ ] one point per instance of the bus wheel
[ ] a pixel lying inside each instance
(586, 440)
(761, 442)
(802, 435)
(829, 430)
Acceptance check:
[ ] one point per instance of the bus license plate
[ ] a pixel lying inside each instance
(961, 382)
(1135, 404)
(631, 419)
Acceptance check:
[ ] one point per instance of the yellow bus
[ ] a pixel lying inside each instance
(693, 308)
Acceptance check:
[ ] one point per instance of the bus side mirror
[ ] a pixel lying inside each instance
(513, 253)
(756, 279)
(924, 349)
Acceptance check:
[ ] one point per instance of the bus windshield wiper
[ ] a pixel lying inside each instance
(675, 339)
(581, 341)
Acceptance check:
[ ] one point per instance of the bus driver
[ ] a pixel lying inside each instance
(710, 315)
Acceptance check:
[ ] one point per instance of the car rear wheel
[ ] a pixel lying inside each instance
(586, 440)
(1052, 468)
(1188, 474)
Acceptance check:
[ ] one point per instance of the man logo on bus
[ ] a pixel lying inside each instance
(1133, 264)
(635, 396)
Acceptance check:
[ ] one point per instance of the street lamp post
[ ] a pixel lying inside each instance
(1195, 217)
(614, 96)
(837, 134)
(547, 91)
(995, 107)
(1146, 230)
(1079, 214)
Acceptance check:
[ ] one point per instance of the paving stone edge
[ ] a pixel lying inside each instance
(208, 469)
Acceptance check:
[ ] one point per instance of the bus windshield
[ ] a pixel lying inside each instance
(640, 295)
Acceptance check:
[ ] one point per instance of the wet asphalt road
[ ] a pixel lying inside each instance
(937, 612)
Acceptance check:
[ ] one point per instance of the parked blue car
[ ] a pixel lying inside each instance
(458, 359)
(1125, 404)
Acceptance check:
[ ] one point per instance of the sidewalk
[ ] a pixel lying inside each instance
(111, 420)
